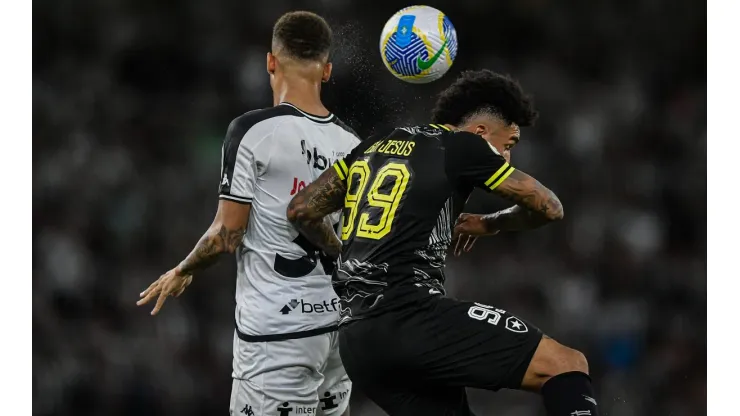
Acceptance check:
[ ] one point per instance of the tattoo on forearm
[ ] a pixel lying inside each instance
(323, 235)
(309, 207)
(213, 243)
(515, 218)
(527, 192)
(328, 195)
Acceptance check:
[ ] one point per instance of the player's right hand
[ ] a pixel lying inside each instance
(172, 283)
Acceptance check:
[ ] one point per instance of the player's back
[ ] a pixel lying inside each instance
(404, 191)
(268, 156)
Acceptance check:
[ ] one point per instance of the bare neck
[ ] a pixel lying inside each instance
(302, 93)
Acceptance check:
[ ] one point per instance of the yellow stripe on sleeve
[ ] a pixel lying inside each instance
(502, 178)
(495, 176)
(344, 167)
(440, 126)
(341, 174)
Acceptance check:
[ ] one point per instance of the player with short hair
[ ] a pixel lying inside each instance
(406, 345)
(286, 358)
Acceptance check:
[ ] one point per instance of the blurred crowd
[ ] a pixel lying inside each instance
(130, 104)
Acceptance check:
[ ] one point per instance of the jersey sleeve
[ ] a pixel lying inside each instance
(342, 165)
(244, 158)
(474, 163)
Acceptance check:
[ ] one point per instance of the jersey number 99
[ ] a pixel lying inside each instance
(383, 197)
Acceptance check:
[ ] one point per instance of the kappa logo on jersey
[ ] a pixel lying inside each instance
(307, 307)
(320, 161)
(515, 324)
(225, 181)
(247, 410)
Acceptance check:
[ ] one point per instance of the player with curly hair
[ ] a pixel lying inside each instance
(406, 345)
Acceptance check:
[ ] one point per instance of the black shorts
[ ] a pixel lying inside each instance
(418, 360)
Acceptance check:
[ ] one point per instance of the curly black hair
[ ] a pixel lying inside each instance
(303, 35)
(484, 91)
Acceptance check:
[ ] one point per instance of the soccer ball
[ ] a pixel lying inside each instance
(418, 44)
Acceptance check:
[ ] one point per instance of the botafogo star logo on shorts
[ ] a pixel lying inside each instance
(515, 324)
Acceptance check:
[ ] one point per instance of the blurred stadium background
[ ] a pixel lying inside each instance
(130, 103)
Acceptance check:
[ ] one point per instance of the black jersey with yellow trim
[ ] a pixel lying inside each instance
(404, 191)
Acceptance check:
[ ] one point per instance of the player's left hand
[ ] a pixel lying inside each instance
(467, 230)
(464, 242)
(172, 283)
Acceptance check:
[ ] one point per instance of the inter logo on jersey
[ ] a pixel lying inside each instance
(285, 409)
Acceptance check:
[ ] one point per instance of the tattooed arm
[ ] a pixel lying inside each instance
(223, 236)
(310, 206)
(536, 205)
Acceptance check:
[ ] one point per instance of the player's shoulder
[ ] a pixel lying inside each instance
(349, 130)
(426, 130)
(463, 137)
(403, 133)
(465, 141)
(257, 121)
(378, 135)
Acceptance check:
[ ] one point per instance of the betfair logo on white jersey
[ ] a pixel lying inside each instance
(307, 307)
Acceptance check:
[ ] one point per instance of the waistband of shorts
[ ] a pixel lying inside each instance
(283, 337)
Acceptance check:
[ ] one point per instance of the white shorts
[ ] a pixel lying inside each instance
(302, 376)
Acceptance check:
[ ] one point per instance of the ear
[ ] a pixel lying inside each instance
(481, 129)
(271, 63)
(327, 72)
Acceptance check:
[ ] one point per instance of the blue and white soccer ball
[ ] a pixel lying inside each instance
(418, 44)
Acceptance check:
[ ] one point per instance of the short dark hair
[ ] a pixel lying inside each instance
(484, 91)
(303, 35)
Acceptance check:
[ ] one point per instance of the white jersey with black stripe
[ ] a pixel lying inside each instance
(268, 155)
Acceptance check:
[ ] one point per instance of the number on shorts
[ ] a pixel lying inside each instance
(482, 312)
